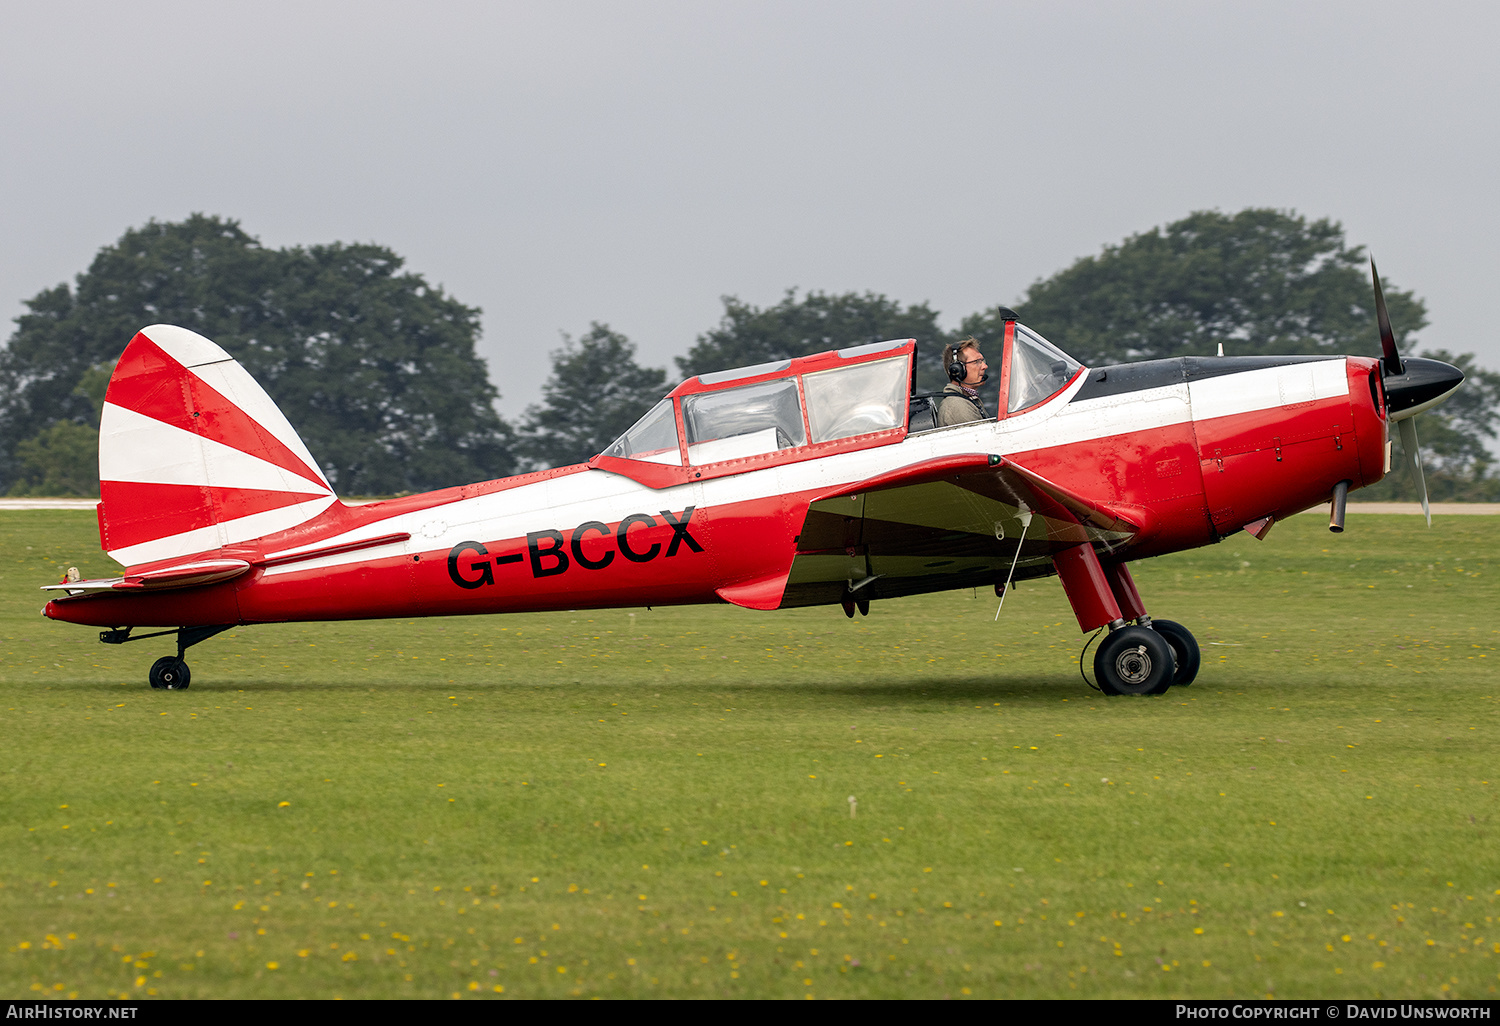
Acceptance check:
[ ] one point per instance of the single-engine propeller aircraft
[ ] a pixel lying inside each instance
(821, 480)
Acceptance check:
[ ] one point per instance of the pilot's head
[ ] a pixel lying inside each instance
(965, 363)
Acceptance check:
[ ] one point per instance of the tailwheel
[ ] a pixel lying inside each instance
(170, 673)
(1134, 661)
(1184, 650)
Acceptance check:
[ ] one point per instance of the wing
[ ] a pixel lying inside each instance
(945, 523)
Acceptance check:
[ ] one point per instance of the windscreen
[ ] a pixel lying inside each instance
(1037, 370)
(653, 439)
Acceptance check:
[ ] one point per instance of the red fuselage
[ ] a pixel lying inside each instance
(1187, 451)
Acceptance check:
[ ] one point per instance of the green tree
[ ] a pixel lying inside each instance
(1258, 281)
(374, 367)
(378, 372)
(813, 324)
(59, 460)
(596, 391)
(63, 460)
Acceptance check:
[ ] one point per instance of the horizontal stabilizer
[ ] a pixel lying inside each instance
(183, 575)
(198, 572)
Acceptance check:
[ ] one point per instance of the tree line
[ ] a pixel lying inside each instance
(378, 370)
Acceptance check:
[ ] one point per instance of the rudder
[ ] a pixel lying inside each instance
(193, 455)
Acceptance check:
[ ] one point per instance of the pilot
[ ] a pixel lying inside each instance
(966, 372)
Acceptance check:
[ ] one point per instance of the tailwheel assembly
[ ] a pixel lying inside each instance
(170, 674)
(1134, 661)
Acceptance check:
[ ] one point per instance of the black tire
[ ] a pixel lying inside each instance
(1184, 648)
(863, 604)
(170, 674)
(1134, 661)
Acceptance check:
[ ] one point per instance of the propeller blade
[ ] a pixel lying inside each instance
(1392, 362)
(1414, 461)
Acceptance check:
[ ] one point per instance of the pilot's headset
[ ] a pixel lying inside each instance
(957, 369)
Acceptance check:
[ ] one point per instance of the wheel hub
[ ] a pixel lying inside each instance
(1134, 665)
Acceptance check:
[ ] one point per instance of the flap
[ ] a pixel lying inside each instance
(760, 593)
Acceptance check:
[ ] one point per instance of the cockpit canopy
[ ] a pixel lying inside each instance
(811, 406)
(837, 396)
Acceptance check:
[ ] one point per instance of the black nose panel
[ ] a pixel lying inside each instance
(1421, 382)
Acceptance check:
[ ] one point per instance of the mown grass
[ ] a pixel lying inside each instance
(634, 803)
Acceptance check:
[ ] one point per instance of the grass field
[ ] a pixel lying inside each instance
(657, 803)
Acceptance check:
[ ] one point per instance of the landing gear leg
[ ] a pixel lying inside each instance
(1184, 647)
(1133, 659)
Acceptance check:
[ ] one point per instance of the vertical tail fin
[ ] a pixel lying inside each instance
(193, 455)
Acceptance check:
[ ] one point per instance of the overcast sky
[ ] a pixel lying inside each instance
(561, 163)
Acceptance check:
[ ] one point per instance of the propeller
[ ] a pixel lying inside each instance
(1411, 386)
(1392, 365)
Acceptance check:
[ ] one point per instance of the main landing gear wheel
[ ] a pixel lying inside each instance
(1134, 661)
(170, 674)
(1184, 648)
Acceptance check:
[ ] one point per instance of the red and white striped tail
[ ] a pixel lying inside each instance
(193, 455)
